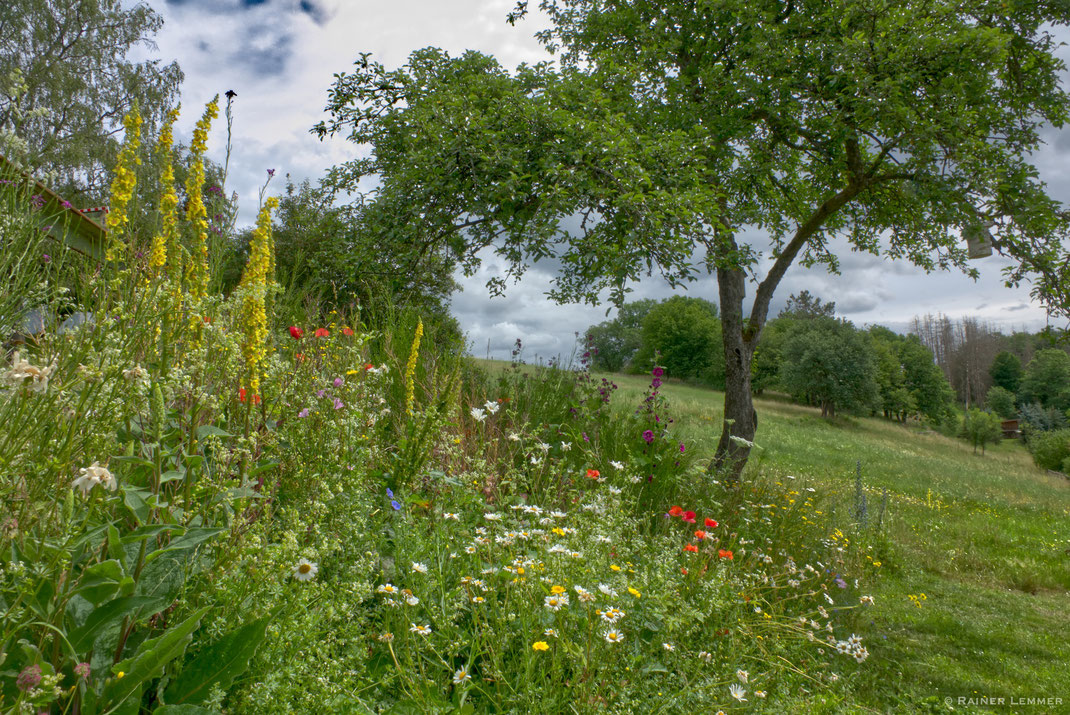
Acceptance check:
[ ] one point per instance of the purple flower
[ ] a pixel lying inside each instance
(303, 413)
(320, 393)
(648, 436)
(390, 492)
(658, 372)
(65, 204)
(46, 258)
(681, 448)
(655, 383)
(271, 173)
(338, 382)
(840, 582)
(38, 201)
(338, 404)
(397, 507)
(83, 670)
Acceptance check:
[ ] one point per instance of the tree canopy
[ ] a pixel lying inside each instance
(66, 81)
(664, 129)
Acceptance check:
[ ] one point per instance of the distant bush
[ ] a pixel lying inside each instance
(1051, 450)
(1036, 418)
(1001, 401)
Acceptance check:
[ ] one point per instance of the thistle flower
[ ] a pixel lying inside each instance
(410, 368)
(124, 183)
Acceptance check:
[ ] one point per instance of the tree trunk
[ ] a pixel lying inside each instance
(740, 420)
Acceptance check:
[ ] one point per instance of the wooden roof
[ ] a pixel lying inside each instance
(60, 220)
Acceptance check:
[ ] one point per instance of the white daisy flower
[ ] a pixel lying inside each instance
(742, 675)
(421, 630)
(866, 600)
(461, 676)
(305, 570)
(607, 590)
(491, 406)
(387, 588)
(451, 515)
(412, 600)
(491, 516)
(613, 636)
(616, 465)
(418, 567)
(736, 690)
(668, 646)
(477, 414)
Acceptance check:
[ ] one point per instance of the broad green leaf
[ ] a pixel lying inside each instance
(191, 539)
(82, 638)
(134, 499)
(115, 546)
(210, 430)
(217, 664)
(145, 532)
(100, 581)
(183, 710)
(149, 660)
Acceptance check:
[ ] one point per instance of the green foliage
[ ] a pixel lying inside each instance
(615, 342)
(1006, 371)
(1047, 379)
(829, 363)
(1050, 449)
(1001, 401)
(66, 80)
(683, 335)
(981, 428)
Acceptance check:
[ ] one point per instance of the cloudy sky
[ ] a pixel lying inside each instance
(280, 57)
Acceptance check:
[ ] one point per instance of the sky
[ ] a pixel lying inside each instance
(280, 56)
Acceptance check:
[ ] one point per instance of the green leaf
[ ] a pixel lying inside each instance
(183, 710)
(134, 499)
(218, 664)
(115, 546)
(100, 581)
(192, 538)
(146, 532)
(149, 660)
(82, 638)
(211, 430)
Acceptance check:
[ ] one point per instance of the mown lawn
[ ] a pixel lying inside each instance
(986, 539)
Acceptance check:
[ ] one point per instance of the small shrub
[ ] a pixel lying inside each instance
(1001, 401)
(981, 428)
(1051, 450)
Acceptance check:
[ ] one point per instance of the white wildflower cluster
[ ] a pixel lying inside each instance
(93, 475)
(23, 373)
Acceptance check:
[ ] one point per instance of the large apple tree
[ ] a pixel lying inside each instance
(684, 136)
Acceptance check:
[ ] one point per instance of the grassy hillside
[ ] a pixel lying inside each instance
(986, 539)
(974, 551)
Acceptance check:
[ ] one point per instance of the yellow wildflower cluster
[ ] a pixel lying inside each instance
(254, 287)
(122, 186)
(410, 368)
(167, 239)
(196, 213)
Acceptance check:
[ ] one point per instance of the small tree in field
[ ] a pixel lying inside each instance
(981, 428)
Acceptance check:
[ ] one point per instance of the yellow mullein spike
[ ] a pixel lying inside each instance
(166, 238)
(123, 185)
(196, 213)
(254, 288)
(410, 368)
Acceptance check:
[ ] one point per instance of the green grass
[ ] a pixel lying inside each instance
(985, 538)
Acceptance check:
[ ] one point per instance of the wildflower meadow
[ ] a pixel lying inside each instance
(225, 503)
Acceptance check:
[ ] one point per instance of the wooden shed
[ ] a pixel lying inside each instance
(59, 219)
(1010, 429)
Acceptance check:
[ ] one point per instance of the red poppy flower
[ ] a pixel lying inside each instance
(593, 474)
(368, 366)
(683, 570)
(241, 394)
(347, 332)
(700, 535)
(299, 357)
(724, 554)
(256, 399)
(690, 547)
(710, 523)
(296, 333)
(206, 319)
(675, 511)
(322, 333)
(689, 517)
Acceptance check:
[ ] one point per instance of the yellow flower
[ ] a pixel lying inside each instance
(410, 368)
(557, 590)
(196, 213)
(614, 567)
(540, 645)
(253, 290)
(168, 235)
(122, 186)
(634, 592)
